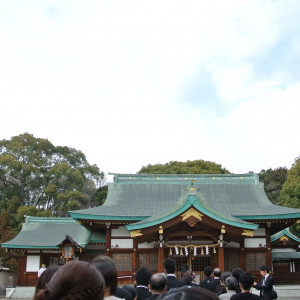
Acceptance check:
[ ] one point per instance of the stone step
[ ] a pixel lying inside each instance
(21, 292)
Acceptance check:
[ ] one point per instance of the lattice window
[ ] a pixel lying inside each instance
(231, 260)
(199, 263)
(148, 260)
(123, 261)
(254, 260)
(282, 266)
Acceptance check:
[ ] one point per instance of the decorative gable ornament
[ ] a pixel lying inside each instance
(192, 217)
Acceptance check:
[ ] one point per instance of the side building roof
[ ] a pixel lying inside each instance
(47, 233)
(284, 232)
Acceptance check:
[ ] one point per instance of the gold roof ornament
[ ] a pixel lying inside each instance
(135, 233)
(247, 232)
(192, 217)
(160, 231)
(284, 238)
(192, 213)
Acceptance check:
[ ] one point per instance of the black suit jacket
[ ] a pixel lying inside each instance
(266, 289)
(212, 286)
(142, 293)
(174, 282)
(205, 282)
(153, 297)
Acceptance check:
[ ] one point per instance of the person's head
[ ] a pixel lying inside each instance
(187, 278)
(217, 272)
(45, 277)
(263, 270)
(169, 265)
(189, 293)
(107, 268)
(131, 290)
(142, 276)
(231, 283)
(225, 275)
(246, 281)
(237, 273)
(76, 280)
(43, 266)
(158, 283)
(208, 271)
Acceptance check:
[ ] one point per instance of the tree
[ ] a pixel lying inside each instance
(189, 167)
(100, 195)
(45, 176)
(290, 193)
(273, 181)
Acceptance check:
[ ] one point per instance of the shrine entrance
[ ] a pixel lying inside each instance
(191, 263)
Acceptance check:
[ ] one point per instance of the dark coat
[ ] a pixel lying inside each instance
(266, 289)
(212, 286)
(153, 297)
(174, 282)
(121, 293)
(142, 293)
(205, 282)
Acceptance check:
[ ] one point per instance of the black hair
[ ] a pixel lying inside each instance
(264, 268)
(237, 273)
(170, 265)
(188, 293)
(74, 281)
(246, 281)
(108, 271)
(208, 270)
(142, 276)
(45, 277)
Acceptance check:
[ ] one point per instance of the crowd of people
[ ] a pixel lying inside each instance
(98, 280)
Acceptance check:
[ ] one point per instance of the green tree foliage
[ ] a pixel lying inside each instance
(100, 195)
(7, 259)
(290, 193)
(189, 167)
(273, 181)
(35, 173)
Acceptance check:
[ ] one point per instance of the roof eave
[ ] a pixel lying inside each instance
(78, 216)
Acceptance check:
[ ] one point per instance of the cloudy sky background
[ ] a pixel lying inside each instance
(136, 82)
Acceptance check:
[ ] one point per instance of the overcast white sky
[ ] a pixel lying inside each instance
(136, 82)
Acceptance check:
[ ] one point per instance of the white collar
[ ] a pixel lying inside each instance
(142, 286)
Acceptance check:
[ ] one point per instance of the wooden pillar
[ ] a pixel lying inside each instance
(242, 257)
(160, 259)
(221, 258)
(108, 240)
(134, 256)
(268, 245)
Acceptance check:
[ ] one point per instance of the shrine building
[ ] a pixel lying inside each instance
(224, 221)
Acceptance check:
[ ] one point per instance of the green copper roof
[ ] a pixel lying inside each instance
(285, 255)
(187, 201)
(47, 233)
(283, 232)
(138, 196)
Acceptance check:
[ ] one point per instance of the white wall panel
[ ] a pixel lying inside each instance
(121, 243)
(146, 245)
(33, 263)
(255, 242)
